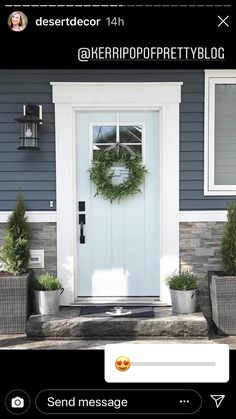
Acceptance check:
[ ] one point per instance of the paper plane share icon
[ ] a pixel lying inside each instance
(218, 399)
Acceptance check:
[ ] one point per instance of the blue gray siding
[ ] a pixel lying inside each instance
(33, 173)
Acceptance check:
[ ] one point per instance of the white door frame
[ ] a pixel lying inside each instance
(72, 97)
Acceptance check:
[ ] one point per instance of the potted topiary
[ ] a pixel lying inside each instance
(184, 289)
(14, 273)
(223, 283)
(47, 291)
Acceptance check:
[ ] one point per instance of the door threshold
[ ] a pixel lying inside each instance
(117, 301)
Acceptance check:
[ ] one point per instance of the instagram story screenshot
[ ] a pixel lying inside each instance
(117, 209)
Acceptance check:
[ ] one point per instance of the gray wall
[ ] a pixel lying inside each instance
(33, 173)
(200, 253)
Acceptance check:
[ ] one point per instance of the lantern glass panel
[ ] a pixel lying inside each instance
(29, 134)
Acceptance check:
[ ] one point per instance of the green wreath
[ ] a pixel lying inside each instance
(102, 178)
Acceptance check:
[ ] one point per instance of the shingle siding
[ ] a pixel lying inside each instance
(33, 173)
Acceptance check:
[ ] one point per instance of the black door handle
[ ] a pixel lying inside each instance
(82, 223)
(82, 236)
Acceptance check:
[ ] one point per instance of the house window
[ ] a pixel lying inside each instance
(220, 133)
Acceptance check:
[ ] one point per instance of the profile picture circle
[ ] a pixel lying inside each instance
(17, 21)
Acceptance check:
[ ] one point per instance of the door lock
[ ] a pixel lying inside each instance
(82, 206)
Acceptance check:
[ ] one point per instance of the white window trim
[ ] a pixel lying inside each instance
(70, 97)
(213, 77)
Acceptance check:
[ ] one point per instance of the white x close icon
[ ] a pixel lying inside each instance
(223, 20)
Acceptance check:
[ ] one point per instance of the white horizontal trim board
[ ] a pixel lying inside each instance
(202, 216)
(184, 216)
(33, 216)
(115, 94)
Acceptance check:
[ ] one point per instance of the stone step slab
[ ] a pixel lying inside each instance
(69, 324)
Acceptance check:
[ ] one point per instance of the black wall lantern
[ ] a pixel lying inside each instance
(29, 127)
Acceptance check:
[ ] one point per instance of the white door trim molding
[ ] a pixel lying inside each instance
(70, 97)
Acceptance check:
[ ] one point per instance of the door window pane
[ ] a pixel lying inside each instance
(130, 134)
(97, 148)
(104, 134)
(137, 149)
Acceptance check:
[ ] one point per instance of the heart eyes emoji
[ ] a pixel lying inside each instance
(122, 363)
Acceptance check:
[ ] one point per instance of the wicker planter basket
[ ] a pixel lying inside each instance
(14, 303)
(223, 302)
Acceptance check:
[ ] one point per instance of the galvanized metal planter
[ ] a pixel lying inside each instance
(14, 303)
(184, 302)
(47, 302)
(223, 302)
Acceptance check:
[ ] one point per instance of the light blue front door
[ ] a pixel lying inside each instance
(121, 253)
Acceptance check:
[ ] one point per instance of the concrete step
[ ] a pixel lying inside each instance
(70, 324)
